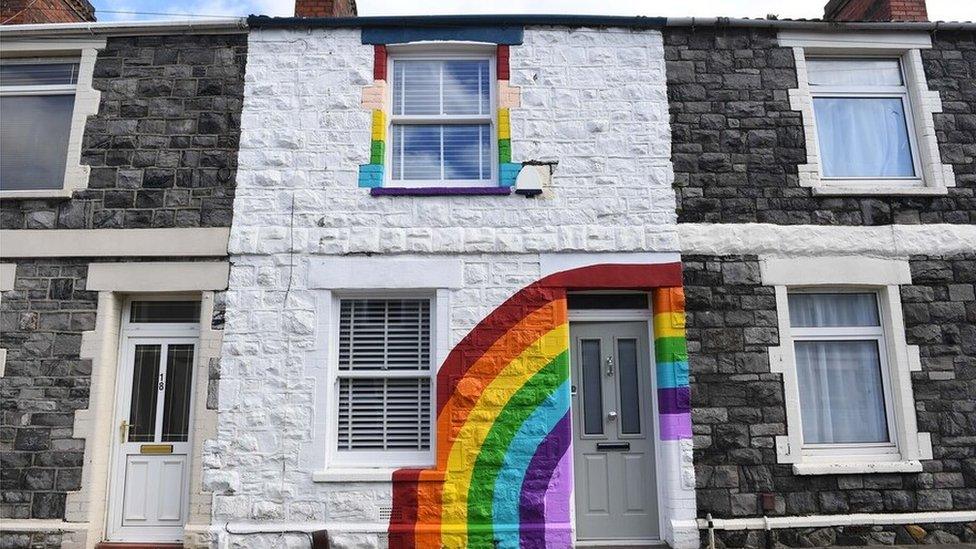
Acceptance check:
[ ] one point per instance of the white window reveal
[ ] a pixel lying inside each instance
(441, 122)
(867, 114)
(862, 113)
(384, 382)
(36, 105)
(840, 353)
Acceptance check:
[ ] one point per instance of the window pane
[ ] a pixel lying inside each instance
(417, 152)
(416, 87)
(38, 74)
(466, 87)
(854, 72)
(607, 301)
(34, 141)
(458, 87)
(384, 414)
(176, 406)
(629, 386)
(165, 311)
(384, 334)
(466, 152)
(142, 407)
(592, 375)
(863, 137)
(841, 396)
(823, 310)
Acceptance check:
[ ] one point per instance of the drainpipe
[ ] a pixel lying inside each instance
(711, 531)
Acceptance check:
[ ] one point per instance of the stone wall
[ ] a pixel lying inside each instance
(737, 143)
(593, 102)
(737, 405)
(44, 383)
(163, 146)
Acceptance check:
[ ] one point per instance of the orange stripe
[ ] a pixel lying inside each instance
(669, 300)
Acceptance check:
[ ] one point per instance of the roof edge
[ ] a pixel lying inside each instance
(126, 28)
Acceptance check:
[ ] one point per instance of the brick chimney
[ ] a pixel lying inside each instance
(24, 12)
(325, 8)
(875, 10)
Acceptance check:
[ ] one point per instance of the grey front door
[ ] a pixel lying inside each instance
(613, 432)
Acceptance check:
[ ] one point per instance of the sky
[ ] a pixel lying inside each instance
(124, 10)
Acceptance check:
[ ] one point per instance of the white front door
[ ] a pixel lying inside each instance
(150, 481)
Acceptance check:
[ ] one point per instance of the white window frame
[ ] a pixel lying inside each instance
(931, 176)
(84, 52)
(851, 333)
(907, 446)
(383, 458)
(442, 52)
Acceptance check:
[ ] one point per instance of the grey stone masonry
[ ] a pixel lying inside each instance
(163, 146)
(738, 406)
(943, 536)
(45, 382)
(736, 143)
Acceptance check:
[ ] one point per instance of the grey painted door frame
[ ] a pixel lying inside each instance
(644, 316)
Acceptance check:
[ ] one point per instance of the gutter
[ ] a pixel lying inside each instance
(229, 25)
(819, 25)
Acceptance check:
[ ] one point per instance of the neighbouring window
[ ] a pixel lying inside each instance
(36, 106)
(441, 122)
(841, 364)
(384, 380)
(863, 118)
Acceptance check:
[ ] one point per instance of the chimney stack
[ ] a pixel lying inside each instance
(875, 10)
(325, 8)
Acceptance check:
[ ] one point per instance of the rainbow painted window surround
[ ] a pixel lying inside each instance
(441, 125)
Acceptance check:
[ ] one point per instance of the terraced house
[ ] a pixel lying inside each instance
(501, 281)
(119, 146)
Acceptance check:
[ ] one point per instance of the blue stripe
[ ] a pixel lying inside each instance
(494, 34)
(672, 374)
(508, 486)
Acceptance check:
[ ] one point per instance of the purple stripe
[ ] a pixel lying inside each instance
(675, 426)
(674, 400)
(538, 477)
(439, 191)
(558, 531)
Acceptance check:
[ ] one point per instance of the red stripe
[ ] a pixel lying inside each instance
(379, 62)
(501, 62)
(405, 504)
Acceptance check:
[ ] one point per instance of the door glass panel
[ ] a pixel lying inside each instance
(629, 387)
(176, 406)
(592, 386)
(142, 408)
(165, 311)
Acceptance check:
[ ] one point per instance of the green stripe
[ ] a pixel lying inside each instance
(492, 456)
(377, 150)
(670, 349)
(504, 151)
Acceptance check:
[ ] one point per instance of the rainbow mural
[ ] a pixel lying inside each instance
(503, 469)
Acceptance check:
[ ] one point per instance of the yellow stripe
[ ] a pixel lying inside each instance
(379, 126)
(467, 445)
(504, 128)
(669, 325)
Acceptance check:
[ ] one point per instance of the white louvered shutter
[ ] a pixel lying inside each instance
(384, 385)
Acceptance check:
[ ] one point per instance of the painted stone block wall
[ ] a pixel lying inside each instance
(592, 101)
(163, 146)
(738, 404)
(737, 143)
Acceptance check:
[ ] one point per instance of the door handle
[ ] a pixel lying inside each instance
(612, 415)
(124, 429)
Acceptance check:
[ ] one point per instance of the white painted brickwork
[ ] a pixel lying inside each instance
(593, 101)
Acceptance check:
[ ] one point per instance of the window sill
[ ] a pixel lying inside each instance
(56, 194)
(440, 191)
(835, 189)
(858, 467)
(364, 475)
